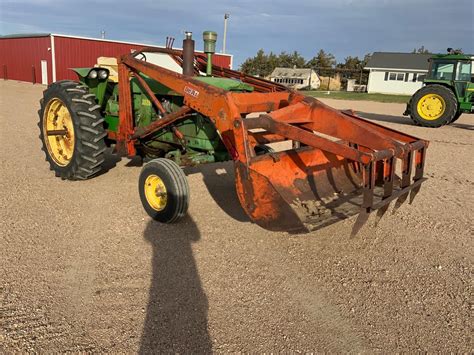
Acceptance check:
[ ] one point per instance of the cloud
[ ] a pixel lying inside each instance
(9, 27)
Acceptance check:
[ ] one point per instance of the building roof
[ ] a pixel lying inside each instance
(389, 60)
(31, 35)
(291, 72)
(25, 35)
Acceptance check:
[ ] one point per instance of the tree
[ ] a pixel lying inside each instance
(322, 60)
(351, 63)
(353, 68)
(294, 59)
(421, 50)
(263, 64)
(260, 65)
(366, 59)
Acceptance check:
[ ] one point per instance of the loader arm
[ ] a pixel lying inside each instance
(345, 164)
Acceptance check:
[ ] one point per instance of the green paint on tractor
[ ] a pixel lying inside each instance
(225, 83)
(201, 140)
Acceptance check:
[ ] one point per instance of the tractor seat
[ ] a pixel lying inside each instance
(109, 63)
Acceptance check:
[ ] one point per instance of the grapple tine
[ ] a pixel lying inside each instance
(388, 180)
(368, 177)
(406, 174)
(419, 167)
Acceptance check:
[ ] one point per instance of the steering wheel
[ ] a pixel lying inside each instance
(141, 56)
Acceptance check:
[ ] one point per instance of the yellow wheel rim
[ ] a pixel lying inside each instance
(431, 107)
(155, 192)
(58, 131)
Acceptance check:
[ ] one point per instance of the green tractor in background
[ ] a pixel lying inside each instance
(448, 91)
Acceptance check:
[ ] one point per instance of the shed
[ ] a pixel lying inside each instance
(296, 78)
(47, 57)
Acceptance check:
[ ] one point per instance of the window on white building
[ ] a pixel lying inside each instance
(394, 76)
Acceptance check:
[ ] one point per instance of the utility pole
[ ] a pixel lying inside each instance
(226, 16)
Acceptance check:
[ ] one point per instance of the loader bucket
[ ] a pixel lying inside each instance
(345, 167)
(303, 190)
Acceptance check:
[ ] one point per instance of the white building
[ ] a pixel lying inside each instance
(396, 73)
(296, 78)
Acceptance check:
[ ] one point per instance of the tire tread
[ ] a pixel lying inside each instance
(89, 130)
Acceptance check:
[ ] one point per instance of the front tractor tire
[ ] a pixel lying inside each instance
(72, 130)
(433, 106)
(164, 190)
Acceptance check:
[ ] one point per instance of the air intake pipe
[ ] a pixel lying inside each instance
(210, 39)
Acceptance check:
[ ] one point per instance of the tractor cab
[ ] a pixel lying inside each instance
(453, 69)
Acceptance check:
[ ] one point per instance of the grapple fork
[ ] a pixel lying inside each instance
(346, 165)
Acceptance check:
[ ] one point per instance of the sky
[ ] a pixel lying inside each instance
(341, 27)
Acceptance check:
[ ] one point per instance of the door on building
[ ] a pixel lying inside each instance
(44, 72)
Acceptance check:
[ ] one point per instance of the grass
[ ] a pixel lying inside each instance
(360, 96)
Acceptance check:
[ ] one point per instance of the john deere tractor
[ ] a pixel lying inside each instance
(448, 91)
(175, 108)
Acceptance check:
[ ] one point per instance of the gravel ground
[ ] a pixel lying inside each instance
(84, 269)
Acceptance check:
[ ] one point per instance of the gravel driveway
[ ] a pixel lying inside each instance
(83, 268)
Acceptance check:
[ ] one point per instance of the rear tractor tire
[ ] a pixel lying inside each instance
(164, 190)
(433, 106)
(72, 131)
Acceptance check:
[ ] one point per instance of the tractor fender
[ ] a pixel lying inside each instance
(81, 72)
(96, 86)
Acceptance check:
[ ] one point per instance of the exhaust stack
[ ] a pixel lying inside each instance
(188, 54)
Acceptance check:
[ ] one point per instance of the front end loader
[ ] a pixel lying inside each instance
(331, 164)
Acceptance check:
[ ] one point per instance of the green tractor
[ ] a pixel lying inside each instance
(448, 91)
(175, 108)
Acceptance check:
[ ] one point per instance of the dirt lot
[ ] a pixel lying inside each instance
(84, 269)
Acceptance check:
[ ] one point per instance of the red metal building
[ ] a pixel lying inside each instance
(46, 57)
